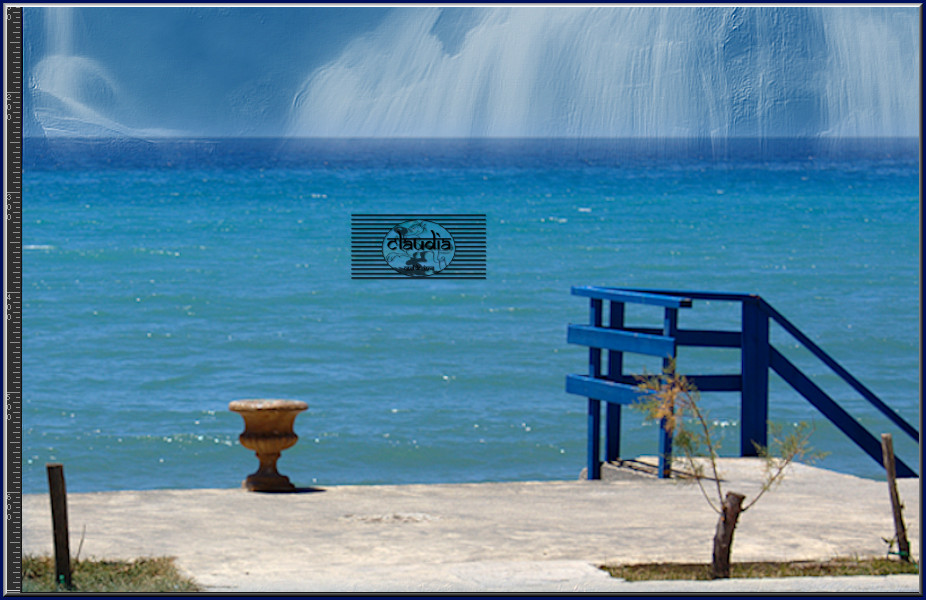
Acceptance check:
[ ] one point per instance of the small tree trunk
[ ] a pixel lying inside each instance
(723, 539)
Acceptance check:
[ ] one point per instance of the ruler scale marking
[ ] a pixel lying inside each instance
(13, 235)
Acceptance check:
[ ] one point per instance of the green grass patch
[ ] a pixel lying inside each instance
(838, 566)
(140, 575)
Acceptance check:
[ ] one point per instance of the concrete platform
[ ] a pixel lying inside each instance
(488, 537)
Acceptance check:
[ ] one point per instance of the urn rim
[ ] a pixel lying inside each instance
(256, 405)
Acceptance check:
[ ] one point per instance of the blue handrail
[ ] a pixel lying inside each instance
(635, 296)
(839, 370)
(835, 413)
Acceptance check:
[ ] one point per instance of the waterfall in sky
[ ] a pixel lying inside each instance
(873, 82)
(59, 30)
(711, 73)
(622, 72)
(74, 95)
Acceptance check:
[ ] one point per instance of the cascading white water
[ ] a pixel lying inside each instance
(622, 72)
(59, 30)
(73, 95)
(607, 71)
(872, 85)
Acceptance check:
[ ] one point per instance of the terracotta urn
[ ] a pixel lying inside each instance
(268, 430)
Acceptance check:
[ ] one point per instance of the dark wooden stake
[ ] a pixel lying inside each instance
(723, 539)
(887, 450)
(59, 520)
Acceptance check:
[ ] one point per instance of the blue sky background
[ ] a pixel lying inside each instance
(457, 72)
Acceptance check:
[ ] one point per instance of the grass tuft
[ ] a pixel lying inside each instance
(834, 567)
(140, 575)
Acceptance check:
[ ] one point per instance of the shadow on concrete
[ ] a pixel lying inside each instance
(640, 470)
(298, 490)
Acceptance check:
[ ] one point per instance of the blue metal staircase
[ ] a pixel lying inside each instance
(617, 389)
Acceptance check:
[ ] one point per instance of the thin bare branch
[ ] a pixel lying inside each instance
(673, 395)
(768, 483)
(698, 477)
(712, 454)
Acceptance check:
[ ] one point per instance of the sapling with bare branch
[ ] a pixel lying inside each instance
(674, 400)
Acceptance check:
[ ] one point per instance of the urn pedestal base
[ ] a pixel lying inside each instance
(259, 482)
(268, 430)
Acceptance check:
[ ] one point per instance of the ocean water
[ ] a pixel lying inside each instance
(163, 280)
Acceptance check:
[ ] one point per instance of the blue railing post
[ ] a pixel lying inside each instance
(669, 329)
(594, 406)
(615, 370)
(755, 365)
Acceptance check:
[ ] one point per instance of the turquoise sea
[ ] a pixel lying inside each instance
(163, 280)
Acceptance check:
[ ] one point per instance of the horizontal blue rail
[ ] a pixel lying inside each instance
(703, 383)
(717, 383)
(703, 338)
(619, 295)
(604, 390)
(721, 296)
(622, 340)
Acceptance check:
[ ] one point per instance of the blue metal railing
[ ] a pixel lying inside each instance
(758, 356)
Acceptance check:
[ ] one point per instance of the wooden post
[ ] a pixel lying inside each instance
(59, 520)
(887, 449)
